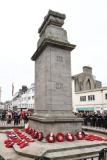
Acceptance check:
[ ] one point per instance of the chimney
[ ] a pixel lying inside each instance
(87, 69)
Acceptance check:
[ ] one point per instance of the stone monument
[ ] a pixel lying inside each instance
(53, 98)
(53, 86)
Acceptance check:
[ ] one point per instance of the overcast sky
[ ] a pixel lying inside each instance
(86, 25)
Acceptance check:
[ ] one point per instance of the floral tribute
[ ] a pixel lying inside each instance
(17, 137)
(61, 137)
(80, 135)
(69, 137)
(22, 139)
(50, 138)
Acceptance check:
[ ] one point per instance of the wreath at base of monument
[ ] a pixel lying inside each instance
(23, 137)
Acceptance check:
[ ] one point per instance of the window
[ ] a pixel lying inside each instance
(28, 98)
(82, 98)
(91, 97)
(106, 96)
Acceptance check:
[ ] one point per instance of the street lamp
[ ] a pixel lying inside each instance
(102, 99)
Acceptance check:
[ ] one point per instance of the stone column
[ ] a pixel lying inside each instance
(53, 91)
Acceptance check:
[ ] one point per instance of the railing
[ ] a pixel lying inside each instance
(103, 154)
(5, 124)
(1, 158)
(92, 158)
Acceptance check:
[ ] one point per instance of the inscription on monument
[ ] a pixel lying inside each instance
(59, 58)
(59, 85)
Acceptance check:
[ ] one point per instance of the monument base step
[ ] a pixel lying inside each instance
(56, 125)
(76, 150)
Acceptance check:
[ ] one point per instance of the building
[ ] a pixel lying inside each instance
(2, 106)
(88, 93)
(0, 94)
(24, 98)
(8, 105)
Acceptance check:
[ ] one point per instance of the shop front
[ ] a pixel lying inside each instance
(84, 109)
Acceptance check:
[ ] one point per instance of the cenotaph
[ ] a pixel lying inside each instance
(53, 84)
(53, 99)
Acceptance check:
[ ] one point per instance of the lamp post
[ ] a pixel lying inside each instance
(102, 100)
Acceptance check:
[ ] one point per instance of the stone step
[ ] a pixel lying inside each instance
(95, 129)
(75, 150)
(58, 150)
(75, 154)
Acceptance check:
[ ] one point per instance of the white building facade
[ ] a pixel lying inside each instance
(95, 100)
(87, 93)
(24, 100)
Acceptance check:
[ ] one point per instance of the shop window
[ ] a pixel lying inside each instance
(82, 98)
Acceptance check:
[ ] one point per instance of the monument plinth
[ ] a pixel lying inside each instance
(53, 86)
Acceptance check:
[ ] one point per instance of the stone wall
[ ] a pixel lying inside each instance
(85, 80)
